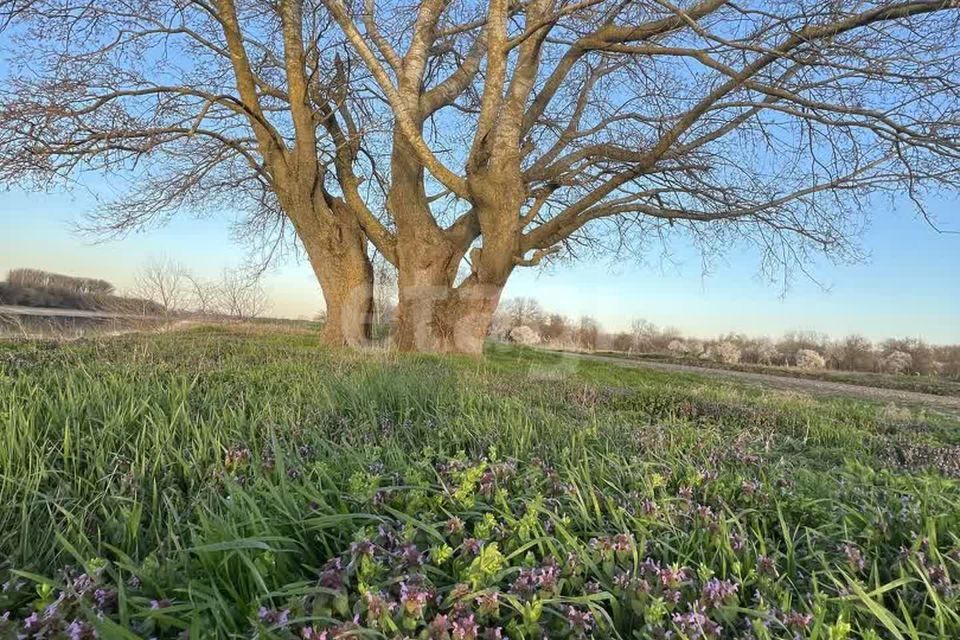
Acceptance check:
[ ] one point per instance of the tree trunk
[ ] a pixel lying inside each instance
(340, 261)
(433, 316)
(435, 319)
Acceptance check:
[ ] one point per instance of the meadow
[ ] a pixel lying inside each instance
(245, 483)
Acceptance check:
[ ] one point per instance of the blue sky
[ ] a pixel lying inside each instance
(909, 286)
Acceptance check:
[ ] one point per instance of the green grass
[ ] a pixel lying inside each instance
(237, 484)
(935, 385)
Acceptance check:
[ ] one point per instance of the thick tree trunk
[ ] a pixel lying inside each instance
(425, 290)
(340, 261)
(433, 316)
(435, 319)
(348, 293)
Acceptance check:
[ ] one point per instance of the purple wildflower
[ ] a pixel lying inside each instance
(377, 605)
(32, 622)
(766, 566)
(717, 593)
(79, 630)
(737, 541)
(105, 599)
(854, 557)
(413, 598)
(438, 626)
(488, 603)
(411, 556)
(695, 623)
(797, 621)
(580, 620)
(465, 628)
(274, 617)
(671, 577)
(472, 546)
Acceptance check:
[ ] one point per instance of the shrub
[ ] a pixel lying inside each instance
(524, 335)
(896, 362)
(677, 346)
(809, 359)
(725, 352)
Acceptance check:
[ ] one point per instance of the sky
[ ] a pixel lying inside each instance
(908, 286)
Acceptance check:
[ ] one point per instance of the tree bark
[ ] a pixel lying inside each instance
(339, 258)
(436, 317)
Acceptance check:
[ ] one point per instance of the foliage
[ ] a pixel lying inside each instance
(231, 485)
(524, 335)
(896, 362)
(726, 352)
(809, 359)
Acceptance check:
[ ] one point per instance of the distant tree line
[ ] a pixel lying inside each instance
(36, 288)
(162, 287)
(37, 279)
(524, 321)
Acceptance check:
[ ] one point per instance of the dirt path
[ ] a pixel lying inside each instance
(946, 404)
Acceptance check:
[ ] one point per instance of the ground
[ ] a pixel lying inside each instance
(239, 483)
(922, 392)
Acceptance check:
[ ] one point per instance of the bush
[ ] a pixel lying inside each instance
(725, 352)
(809, 359)
(896, 362)
(524, 335)
(677, 346)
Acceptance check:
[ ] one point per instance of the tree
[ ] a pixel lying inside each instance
(523, 312)
(205, 295)
(588, 332)
(37, 279)
(555, 328)
(165, 282)
(643, 333)
(220, 105)
(496, 134)
(623, 341)
(896, 362)
(241, 296)
(725, 351)
(855, 353)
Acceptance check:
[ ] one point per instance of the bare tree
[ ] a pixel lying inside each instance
(241, 296)
(165, 282)
(205, 296)
(643, 333)
(217, 106)
(555, 328)
(495, 134)
(523, 311)
(588, 333)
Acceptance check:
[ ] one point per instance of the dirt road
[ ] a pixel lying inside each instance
(945, 404)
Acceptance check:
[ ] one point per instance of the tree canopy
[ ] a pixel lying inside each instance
(466, 139)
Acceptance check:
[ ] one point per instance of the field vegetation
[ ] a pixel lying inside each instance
(234, 483)
(935, 385)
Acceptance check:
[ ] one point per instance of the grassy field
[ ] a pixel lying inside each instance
(935, 385)
(222, 483)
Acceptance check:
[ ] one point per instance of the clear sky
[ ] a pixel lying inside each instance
(909, 286)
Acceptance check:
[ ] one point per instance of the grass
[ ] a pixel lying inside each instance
(239, 484)
(935, 385)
